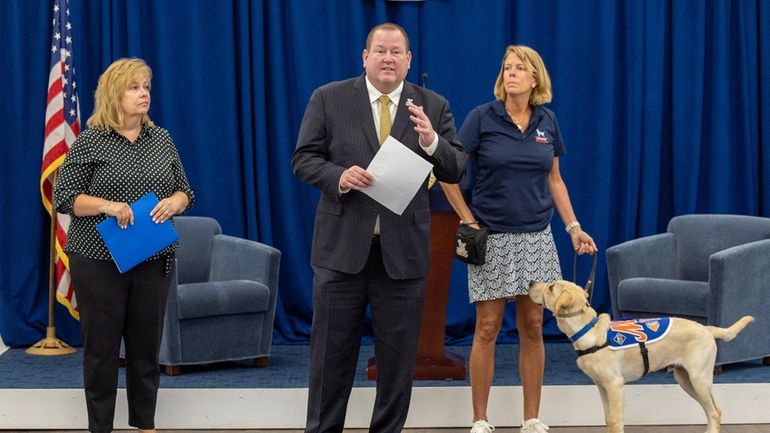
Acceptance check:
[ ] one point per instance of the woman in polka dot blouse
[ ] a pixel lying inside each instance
(120, 157)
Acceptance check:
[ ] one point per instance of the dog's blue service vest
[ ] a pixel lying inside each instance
(623, 334)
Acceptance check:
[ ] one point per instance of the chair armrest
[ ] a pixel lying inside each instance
(243, 259)
(739, 282)
(235, 259)
(739, 286)
(651, 256)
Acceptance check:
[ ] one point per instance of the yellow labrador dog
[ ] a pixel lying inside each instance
(686, 347)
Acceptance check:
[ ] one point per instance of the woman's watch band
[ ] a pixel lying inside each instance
(572, 226)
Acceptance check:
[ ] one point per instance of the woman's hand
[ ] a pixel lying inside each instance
(582, 243)
(471, 222)
(122, 212)
(167, 208)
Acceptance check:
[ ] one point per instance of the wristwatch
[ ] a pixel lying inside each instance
(572, 226)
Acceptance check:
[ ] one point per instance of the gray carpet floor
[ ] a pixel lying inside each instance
(288, 368)
(764, 428)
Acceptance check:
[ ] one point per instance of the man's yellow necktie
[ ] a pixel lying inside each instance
(385, 121)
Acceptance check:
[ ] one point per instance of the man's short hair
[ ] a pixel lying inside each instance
(386, 26)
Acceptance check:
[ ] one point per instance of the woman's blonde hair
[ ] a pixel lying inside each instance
(108, 114)
(541, 94)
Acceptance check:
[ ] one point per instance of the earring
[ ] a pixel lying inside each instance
(533, 85)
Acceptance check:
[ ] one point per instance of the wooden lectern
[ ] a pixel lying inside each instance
(434, 362)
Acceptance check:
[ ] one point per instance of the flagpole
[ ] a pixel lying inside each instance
(50, 345)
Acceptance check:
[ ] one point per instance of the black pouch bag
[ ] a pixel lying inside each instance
(471, 244)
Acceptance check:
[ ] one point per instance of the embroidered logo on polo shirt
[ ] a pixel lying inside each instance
(541, 138)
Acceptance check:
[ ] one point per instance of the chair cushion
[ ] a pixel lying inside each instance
(664, 297)
(221, 298)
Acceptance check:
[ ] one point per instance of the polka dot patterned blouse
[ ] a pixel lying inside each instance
(106, 164)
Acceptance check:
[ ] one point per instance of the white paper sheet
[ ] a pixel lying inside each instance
(398, 174)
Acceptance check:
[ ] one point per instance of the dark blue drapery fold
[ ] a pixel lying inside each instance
(664, 107)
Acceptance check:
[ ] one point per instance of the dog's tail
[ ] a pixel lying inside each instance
(728, 334)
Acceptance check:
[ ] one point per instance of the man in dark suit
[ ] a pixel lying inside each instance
(362, 252)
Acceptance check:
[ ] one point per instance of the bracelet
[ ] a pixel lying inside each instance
(467, 223)
(572, 226)
(106, 207)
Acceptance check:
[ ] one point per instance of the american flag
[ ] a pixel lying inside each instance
(62, 125)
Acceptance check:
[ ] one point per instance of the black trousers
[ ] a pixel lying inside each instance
(114, 305)
(339, 304)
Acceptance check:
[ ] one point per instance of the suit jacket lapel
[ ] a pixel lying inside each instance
(364, 110)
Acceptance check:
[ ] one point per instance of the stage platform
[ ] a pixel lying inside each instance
(46, 393)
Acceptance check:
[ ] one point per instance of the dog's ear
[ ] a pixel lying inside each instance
(565, 300)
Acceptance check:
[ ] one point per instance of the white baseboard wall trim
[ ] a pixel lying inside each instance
(432, 407)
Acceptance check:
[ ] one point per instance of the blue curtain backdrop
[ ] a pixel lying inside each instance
(664, 106)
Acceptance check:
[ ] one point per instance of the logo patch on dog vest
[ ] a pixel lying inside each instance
(623, 334)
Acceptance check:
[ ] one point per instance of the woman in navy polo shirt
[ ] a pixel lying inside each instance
(515, 144)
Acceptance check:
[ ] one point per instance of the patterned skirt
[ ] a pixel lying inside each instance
(513, 260)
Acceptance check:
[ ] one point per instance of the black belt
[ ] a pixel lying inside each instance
(645, 358)
(591, 350)
(642, 349)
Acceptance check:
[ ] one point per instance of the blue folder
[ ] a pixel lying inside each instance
(138, 242)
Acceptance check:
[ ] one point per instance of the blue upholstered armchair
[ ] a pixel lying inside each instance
(222, 299)
(712, 269)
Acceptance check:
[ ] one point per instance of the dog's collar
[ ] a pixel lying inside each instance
(588, 326)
